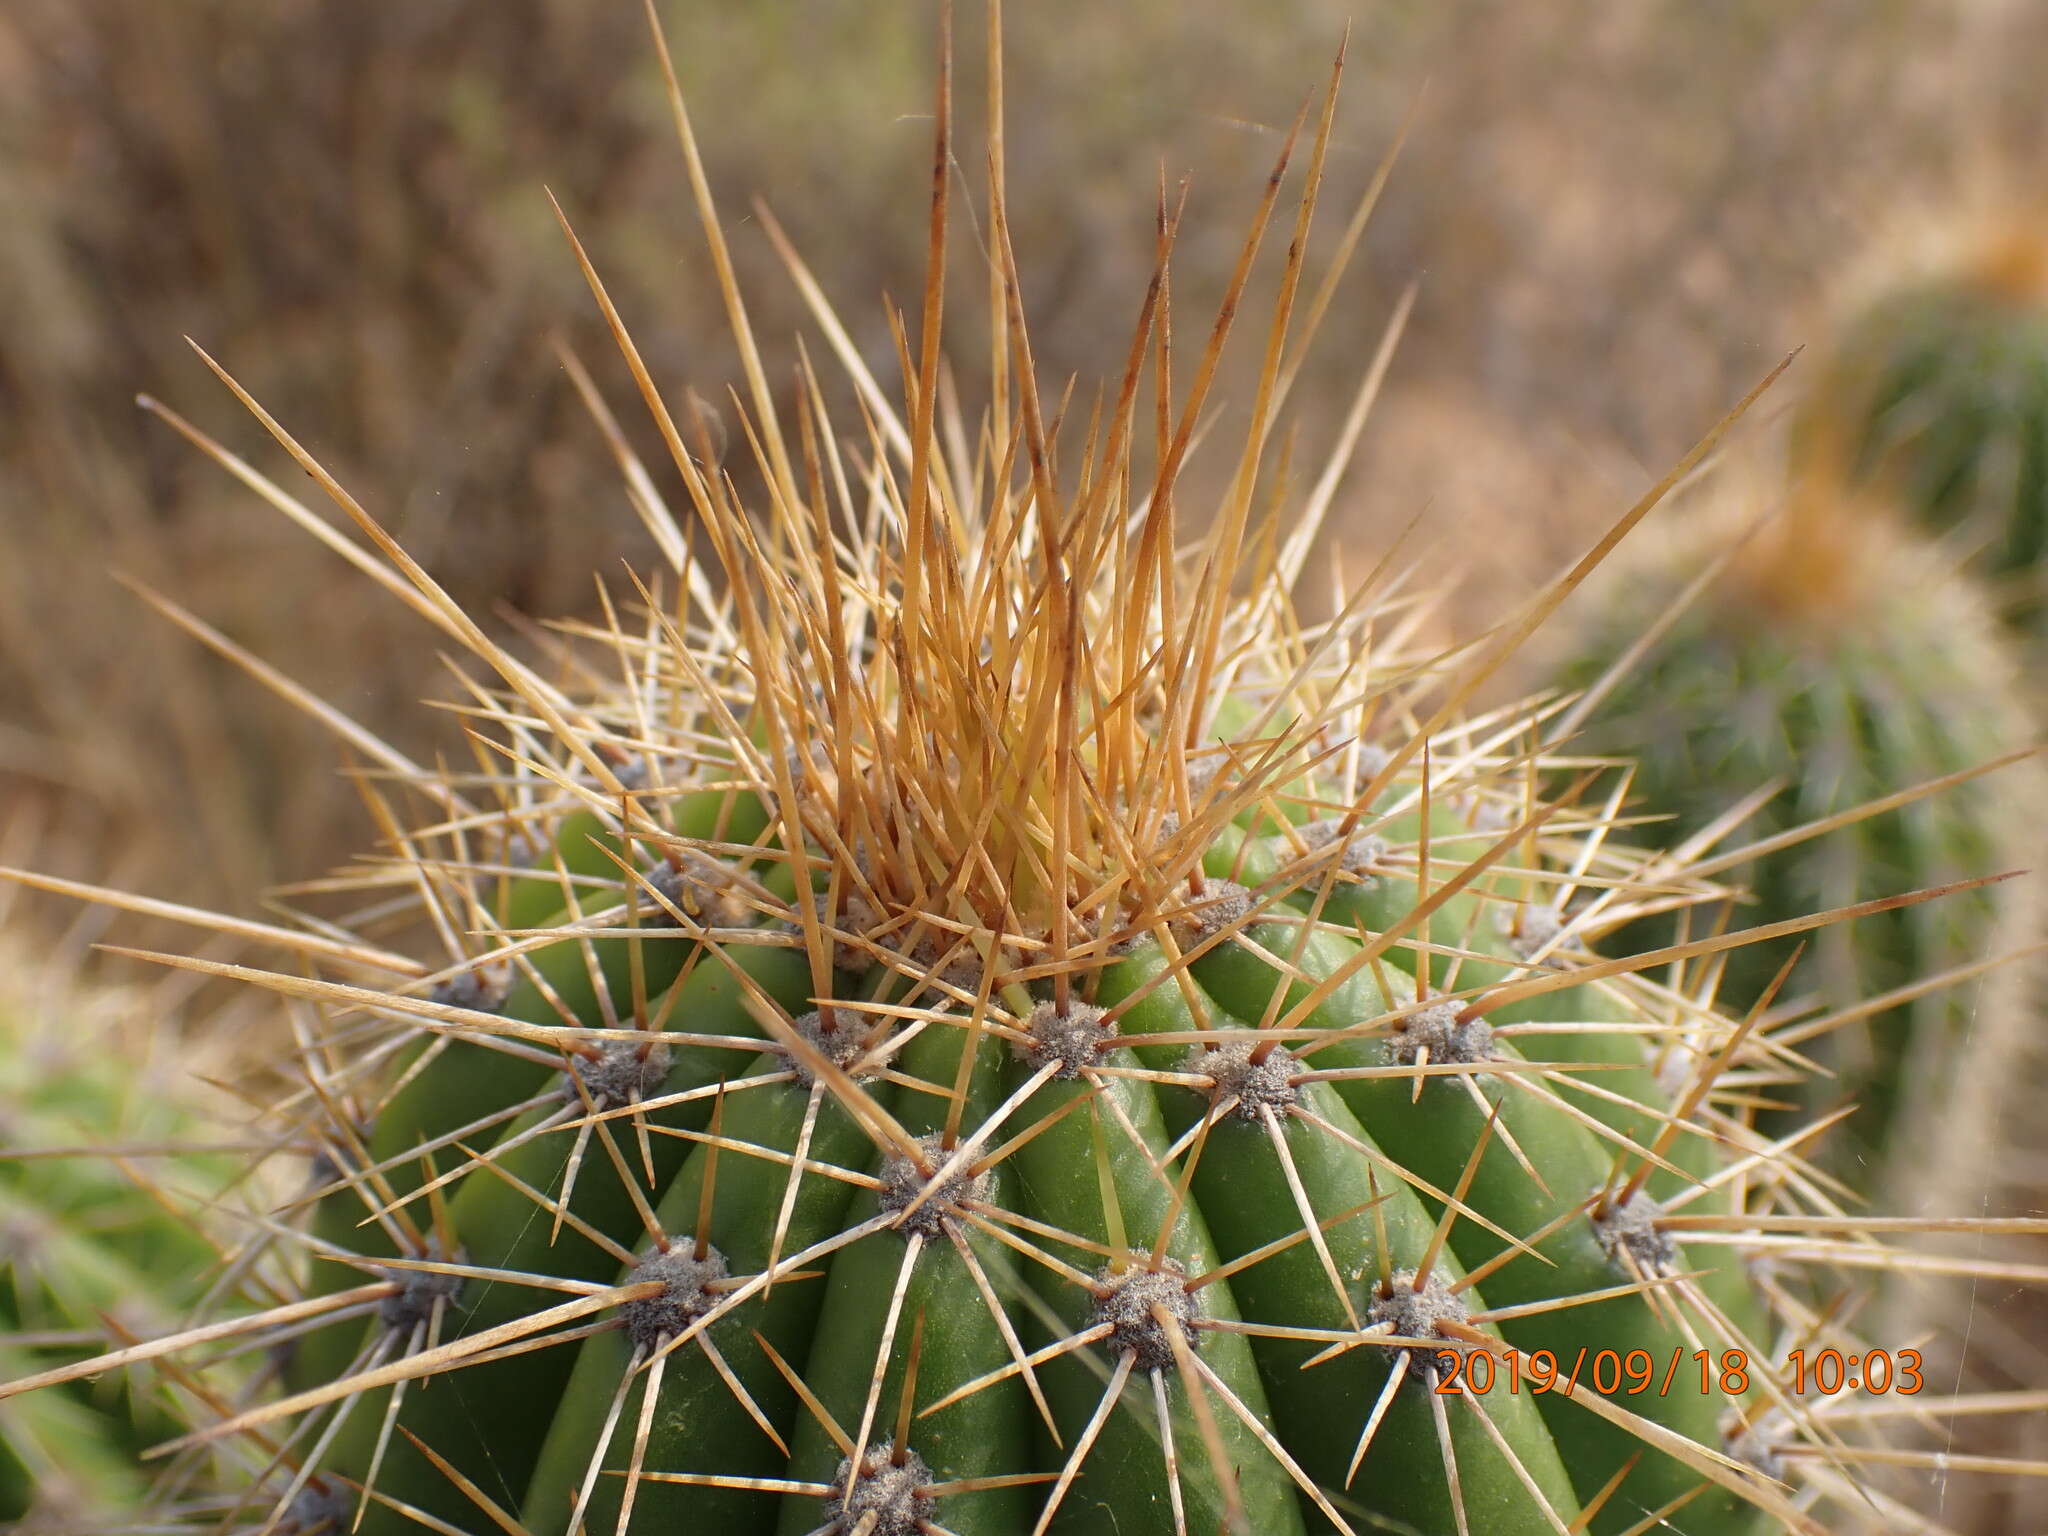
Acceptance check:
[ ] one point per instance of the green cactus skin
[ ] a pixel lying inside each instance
(549, 1410)
(1842, 658)
(1938, 389)
(84, 1237)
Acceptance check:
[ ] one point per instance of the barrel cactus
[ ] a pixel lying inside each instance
(974, 1017)
(96, 1223)
(1837, 660)
(1937, 387)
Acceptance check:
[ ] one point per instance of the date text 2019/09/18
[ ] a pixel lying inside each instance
(1614, 1374)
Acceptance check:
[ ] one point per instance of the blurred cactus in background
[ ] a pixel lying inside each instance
(1937, 390)
(100, 1236)
(1834, 658)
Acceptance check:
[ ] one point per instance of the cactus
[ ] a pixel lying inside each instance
(1938, 388)
(980, 1019)
(85, 1237)
(1837, 659)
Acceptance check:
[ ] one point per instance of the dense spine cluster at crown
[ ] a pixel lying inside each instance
(957, 1010)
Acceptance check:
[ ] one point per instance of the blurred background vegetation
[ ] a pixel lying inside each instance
(1619, 215)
